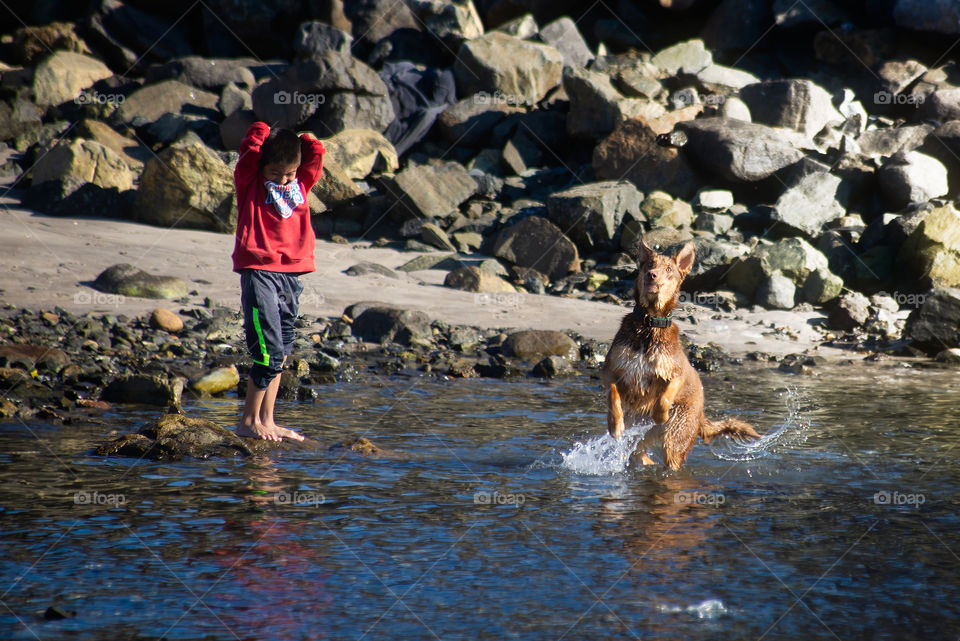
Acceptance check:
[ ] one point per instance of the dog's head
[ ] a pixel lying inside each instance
(658, 277)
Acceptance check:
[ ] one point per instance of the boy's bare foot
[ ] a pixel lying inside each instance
(272, 432)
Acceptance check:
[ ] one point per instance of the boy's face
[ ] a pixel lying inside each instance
(280, 173)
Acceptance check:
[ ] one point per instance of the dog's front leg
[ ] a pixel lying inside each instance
(614, 412)
(662, 411)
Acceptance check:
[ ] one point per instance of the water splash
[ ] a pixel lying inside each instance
(709, 609)
(791, 431)
(602, 455)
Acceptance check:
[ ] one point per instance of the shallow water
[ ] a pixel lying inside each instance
(504, 512)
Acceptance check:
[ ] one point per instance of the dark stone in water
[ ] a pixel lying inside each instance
(161, 390)
(56, 613)
(361, 445)
(552, 366)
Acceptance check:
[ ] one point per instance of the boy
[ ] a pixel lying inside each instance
(274, 246)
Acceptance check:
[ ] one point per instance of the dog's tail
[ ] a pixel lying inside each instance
(730, 426)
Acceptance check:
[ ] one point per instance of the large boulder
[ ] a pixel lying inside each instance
(520, 70)
(316, 38)
(912, 177)
(188, 186)
(335, 186)
(382, 324)
(563, 35)
(935, 325)
(631, 152)
(795, 103)
(776, 292)
(537, 243)
(737, 150)
(931, 252)
(591, 214)
(807, 206)
(877, 143)
(63, 75)
(362, 151)
(80, 177)
(173, 437)
(326, 93)
(470, 121)
(690, 57)
(431, 191)
(794, 258)
(145, 389)
(126, 280)
(131, 151)
(147, 104)
(662, 210)
(596, 107)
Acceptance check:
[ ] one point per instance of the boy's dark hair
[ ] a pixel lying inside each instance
(281, 146)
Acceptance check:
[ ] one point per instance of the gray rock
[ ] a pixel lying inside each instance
(361, 151)
(713, 222)
(233, 99)
(821, 286)
(150, 102)
(718, 199)
(392, 325)
(446, 262)
(520, 70)
(63, 75)
(596, 107)
(849, 312)
(736, 109)
(897, 75)
(942, 16)
(452, 21)
(591, 214)
(810, 204)
(795, 258)
(563, 35)
(690, 57)
(520, 154)
(714, 258)
(931, 252)
(795, 103)
(525, 27)
(474, 279)
(909, 177)
(431, 191)
(540, 343)
(737, 150)
(662, 210)
(188, 186)
(314, 37)
(470, 121)
(935, 325)
(326, 93)
(78, 177)
(126, 280)
(145, 389)
(777, 292)
(18, 116)
(941, 105)
(719, 78)
(211, 74)
(876, 143)
(538, 243)
(367, 268)
(431, 234)
(552, 366)
(234, 128)
(631, 152)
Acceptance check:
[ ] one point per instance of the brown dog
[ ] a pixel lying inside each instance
(646, 373)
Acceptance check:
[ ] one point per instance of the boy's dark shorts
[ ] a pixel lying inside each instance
(270, 303)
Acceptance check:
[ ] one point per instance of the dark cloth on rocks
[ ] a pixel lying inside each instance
(419, 96)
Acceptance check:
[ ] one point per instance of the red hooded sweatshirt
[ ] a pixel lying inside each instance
(265, 240)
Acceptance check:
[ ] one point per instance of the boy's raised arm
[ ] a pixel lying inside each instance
(246, 169)
(311, 160)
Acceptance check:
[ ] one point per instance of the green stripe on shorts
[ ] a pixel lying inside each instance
(260, 339)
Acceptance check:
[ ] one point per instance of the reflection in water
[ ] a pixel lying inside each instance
(504, 511)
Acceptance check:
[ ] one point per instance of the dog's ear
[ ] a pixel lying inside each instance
(684, 258)
(641, 251)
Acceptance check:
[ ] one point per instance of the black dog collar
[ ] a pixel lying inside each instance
(653, 321)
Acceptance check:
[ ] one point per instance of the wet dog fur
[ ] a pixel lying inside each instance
(646, 373)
